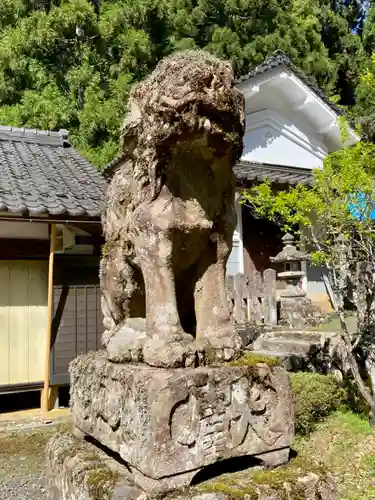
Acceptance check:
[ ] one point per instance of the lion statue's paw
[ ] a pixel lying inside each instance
(219, 347)
(126, 342)
(172, 351)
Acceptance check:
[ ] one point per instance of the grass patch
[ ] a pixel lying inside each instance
(345, 443)
(332, 323)
(342, 445)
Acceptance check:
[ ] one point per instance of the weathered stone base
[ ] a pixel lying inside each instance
(168, 424)
(299, 311)
(80, 471)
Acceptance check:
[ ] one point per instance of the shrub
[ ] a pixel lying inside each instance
(316, 396)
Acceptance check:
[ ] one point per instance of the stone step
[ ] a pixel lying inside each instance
(284, 345)
(291, 362)
(298, 336)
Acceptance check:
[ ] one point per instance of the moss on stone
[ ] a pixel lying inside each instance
(232, 491)
(282, 482)
(250, 359)
(101, 482)
(107, 248)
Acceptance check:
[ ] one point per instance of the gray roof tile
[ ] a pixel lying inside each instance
(250, 172)
(41, 174)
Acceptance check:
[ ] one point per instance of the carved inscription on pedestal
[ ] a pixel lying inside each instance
(215, 420)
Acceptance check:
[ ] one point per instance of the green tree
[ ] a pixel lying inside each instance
(61, 58)
(335, 221)
(364, 109)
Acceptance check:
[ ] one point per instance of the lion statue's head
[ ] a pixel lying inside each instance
(189, 94)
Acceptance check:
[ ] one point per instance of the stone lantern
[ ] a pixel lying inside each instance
(295, 306)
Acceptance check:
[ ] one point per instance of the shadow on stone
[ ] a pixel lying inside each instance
(230, 465)
(115, 456)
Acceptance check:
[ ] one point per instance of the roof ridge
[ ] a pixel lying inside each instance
(279, 58)
(37, 136)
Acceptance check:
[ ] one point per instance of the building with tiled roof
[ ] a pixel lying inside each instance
(291, 126)
(50, 238)
(41, 174)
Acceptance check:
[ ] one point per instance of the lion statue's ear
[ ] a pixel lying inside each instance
(129, 131)
(134, 113)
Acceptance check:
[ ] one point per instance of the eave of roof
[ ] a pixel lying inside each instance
(250, 172)
(277, 59)
(42, 175)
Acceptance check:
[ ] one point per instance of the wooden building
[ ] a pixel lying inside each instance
(291, 127)
(50, 240)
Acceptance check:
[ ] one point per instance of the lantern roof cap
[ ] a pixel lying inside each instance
(290, 253)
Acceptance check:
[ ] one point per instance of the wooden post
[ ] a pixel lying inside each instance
(46, 396)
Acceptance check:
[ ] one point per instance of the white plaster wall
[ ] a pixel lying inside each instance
(27, 230)
(233, 264)
(273, 138)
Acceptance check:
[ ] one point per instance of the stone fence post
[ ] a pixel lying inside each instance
(269, 298)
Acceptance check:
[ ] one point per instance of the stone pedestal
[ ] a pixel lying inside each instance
(78, 470)
(168, 424)
(296, 312)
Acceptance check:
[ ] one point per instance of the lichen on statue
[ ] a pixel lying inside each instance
(169, 217)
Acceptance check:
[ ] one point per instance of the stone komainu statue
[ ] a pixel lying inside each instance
(169, 215)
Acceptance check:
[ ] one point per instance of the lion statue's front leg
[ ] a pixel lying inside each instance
(216, 335)
(167, 345)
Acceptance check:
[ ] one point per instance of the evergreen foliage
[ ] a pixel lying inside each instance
(71, 63)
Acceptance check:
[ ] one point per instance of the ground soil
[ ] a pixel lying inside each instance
(22, 449)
